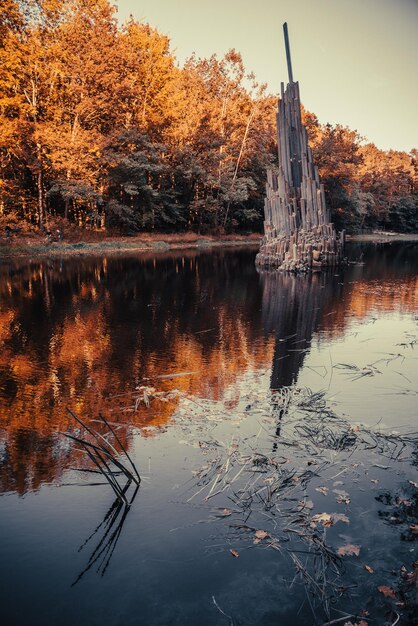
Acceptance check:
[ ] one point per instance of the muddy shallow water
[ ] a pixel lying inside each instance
(272, 420)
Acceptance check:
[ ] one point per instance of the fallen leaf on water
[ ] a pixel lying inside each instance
(368, 569)
(403, 502)
(327, 519)
(349, 550)
(306, 504)
(324, 518)
(225, 513)
(374, 480)
(261, 534)
(410, 577)
(323, 490)
(387, 591)
(414, 528)
(414, 484)
(234, 553)
(343, 500)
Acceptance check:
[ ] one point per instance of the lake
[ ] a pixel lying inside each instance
(272, 419)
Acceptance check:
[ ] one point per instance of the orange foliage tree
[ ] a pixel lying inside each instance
(99, 126)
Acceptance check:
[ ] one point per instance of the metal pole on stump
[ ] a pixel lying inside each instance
(288, 58)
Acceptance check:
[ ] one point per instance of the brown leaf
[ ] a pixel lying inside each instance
(414, 528)
(323, 490)
(306, 504)
(414, 484)
(261, 534)
(225, 513)
(387, 591)
(343, 500)
(349, 550)
(402, 502)
(323, 518)
(368, 569)
(327, 519)
(234, 553)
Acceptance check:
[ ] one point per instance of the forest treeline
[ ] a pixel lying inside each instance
(100, 125)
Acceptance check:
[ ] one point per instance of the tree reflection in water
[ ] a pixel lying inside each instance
(85, 332)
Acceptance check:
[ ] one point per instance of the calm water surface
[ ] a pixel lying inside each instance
(224, 343)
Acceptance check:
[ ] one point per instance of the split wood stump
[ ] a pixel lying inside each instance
(298, 234)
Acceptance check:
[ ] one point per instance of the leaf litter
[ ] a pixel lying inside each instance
(271, 474)
(266, 476)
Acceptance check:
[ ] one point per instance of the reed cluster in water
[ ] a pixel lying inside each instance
(106, 458)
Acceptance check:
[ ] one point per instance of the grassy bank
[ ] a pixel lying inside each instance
(38, 247)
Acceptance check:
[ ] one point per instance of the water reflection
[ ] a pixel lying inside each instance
(106, 535)
(293, 309)
(86, 332)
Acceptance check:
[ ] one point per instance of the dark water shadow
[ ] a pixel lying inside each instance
(106, 536)
(293, 310)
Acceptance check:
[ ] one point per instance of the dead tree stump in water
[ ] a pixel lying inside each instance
(298, 234)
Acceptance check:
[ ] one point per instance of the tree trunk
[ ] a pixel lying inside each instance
(244, 139)
(41, 206)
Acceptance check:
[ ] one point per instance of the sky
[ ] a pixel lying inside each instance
(356, 60)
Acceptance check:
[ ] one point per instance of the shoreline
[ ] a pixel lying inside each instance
(382, 237)
(120, 246)
(36, 249)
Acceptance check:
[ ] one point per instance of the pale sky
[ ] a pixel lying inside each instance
(356, 60)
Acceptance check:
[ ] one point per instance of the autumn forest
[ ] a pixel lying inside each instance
(99, 125)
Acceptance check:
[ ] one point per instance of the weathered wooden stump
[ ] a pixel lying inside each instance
(298, 235)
